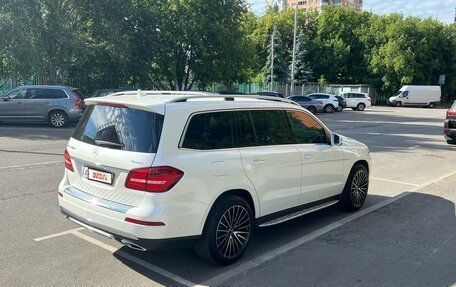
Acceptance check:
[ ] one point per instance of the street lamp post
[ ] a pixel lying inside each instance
(293, 61)
(272, 60)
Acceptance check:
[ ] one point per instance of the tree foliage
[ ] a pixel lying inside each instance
(175, 44)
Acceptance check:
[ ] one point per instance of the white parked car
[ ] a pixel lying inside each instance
(330, 102)
(357, 101)
(169, 169)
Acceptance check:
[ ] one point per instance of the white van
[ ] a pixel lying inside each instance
(426, 96)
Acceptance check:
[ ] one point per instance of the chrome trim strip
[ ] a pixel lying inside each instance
(93, 229)
(298, 214)
(76, 193)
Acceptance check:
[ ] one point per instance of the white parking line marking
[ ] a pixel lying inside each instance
(245, 267)
(32, 164)
(58, 234)
(94, 241)
(134, 259)
(394, 181)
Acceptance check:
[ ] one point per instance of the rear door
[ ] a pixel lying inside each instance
(39, 101)
(109, 142)
(270, 159)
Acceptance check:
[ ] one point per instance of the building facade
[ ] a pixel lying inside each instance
(318, 5)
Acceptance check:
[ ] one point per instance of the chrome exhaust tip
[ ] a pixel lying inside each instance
(132, 245)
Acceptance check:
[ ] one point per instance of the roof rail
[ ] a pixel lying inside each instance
(165, 92)
(232, 98)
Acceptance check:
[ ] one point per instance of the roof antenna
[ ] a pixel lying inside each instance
(140, 94)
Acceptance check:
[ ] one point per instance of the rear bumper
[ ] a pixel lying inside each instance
(180, 218)
(146, 244)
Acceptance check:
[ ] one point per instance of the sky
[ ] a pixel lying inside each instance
(442, 10)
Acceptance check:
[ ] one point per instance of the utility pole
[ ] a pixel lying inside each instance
(293, 61)
(272, 60)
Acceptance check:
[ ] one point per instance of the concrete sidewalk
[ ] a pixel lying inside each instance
(411, 242)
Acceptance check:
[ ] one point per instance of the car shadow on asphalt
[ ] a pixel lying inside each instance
(410, 242)
(185, 263)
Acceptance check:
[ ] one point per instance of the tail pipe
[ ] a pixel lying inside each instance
(132, 245)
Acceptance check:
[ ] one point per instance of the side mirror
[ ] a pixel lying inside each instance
(337, 140)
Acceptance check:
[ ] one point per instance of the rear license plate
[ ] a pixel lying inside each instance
(96, 175)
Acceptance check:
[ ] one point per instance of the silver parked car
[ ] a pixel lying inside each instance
(58, 105)
(314, 106)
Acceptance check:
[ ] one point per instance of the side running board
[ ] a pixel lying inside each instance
(298, 213)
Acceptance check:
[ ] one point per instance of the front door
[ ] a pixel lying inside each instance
(12, 104)
(322, 163)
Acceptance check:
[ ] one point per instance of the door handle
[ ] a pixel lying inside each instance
(258, 162)
(308, 156)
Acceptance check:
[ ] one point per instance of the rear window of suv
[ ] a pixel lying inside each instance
(120, 128)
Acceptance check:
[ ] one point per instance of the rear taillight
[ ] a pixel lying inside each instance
(79, 103)
(451, 113)
(154, 179)
(68, 164)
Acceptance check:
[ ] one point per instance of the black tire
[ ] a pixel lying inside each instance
(431, 105)
(329, 109)
(339, 109)
(361, 107)
(356, 188)
(223, 241)
(398, 104)
(354, 109)
(451, 142)
(313, 110)
(58, 119)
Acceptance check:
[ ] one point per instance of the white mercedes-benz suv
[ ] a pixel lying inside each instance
(170, 169)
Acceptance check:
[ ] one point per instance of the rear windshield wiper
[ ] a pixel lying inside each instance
(101, 142)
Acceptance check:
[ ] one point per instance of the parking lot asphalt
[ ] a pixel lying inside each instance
(404, 235)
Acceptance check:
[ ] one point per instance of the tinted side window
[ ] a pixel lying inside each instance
(322, 97)
(16, 94)
(57, 94)
(210, 131)
(245, 135)
(306, 129)
(271, 127)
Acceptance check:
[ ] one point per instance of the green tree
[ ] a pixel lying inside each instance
(280, 69)
(302, 72)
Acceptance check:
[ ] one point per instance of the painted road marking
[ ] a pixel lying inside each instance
(58, 234)
(395, 181)
(129, 257)
(30, 165)
(125, 255)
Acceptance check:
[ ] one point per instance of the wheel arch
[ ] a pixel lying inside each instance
(363, 163)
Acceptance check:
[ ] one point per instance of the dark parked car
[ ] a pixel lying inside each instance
(105, 92)
(58, 105)
(450, 125)
(314, 106)
(342, 103)
(269, 94)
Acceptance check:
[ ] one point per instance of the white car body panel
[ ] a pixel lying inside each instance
(276, 177)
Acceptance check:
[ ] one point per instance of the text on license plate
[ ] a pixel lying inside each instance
(97, 175)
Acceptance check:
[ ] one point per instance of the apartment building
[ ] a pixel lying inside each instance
(311, 5)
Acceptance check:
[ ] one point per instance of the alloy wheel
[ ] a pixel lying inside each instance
(233, 231)
(57, 120)
(359, 188)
